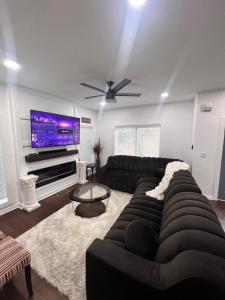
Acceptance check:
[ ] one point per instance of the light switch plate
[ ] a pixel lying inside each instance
(203, 155)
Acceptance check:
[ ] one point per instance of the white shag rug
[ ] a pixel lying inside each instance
(58, 244)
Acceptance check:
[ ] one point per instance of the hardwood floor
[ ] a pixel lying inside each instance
(17, 222)
(219, 207)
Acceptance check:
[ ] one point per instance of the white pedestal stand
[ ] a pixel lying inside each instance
(82, 172)
(29, 192)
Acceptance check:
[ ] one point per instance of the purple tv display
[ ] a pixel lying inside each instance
(49, 130)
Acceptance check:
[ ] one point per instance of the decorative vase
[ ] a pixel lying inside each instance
(97, 161)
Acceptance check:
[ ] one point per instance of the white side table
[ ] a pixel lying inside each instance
(82, 172)
(28, 188)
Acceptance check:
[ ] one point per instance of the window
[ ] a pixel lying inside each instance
(137, 140)
(3, 195)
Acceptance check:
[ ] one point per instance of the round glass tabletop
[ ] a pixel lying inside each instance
(90, 192)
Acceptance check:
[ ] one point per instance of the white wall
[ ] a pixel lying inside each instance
(24, 100)
(206, 141)
(15, 112)
(176, 121)
(8, 149)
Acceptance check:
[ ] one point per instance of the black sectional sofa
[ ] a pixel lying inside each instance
(123, 172)
(158, 249)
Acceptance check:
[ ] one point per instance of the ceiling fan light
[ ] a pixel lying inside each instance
(11, 64)
(165, 95)
(137, 3)
(103, 103)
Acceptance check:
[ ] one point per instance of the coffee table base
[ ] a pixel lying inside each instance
(90, 210)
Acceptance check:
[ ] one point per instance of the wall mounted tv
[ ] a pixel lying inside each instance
(50, 130)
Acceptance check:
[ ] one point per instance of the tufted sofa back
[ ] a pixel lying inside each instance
(182, 181)
(188, 221)
(137, 164)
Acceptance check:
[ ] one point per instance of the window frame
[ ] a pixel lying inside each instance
(136, 135)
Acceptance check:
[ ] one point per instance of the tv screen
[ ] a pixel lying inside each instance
(49, 130)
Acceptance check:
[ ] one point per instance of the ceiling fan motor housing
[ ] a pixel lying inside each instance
(110, 97)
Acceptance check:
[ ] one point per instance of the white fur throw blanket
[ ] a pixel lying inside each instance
(171, 168)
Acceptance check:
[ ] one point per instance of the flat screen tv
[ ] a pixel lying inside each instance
(50, 130)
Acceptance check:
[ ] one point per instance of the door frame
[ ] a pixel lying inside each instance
(92, 137)
(219, 153)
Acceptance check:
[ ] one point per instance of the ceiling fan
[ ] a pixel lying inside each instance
(110, 95)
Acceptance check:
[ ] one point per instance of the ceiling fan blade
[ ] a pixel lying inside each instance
(129, 94)
(92, 87)
(94, 96)
(121, 85)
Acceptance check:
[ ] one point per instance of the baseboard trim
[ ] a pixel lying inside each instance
(213, 198)
(7, 209)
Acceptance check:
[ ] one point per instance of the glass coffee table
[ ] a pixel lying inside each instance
(90, 196)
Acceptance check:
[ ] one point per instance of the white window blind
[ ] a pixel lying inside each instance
(3, 194)
(137, 140)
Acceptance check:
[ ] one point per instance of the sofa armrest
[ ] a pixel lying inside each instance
(195, 264)
(101, 171)
(114, 273)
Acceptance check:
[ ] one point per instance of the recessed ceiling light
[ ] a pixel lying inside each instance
(137, 3)
(164, 95)
(103, 103)
(11, 64)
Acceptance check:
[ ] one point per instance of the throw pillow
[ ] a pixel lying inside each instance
(140, 238)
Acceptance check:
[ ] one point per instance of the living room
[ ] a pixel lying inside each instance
(112, 160)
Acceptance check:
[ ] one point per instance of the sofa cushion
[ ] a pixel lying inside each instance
(140, 238)
(122, 180)
(139, 209)
(189, 223)
(180, 184)
(149, 181)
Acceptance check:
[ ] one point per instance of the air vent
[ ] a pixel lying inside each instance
(206, 107)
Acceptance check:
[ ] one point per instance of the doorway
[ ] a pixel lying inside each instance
(221, 193)
(86, 144)
(219, 174)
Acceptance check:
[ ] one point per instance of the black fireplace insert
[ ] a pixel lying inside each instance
(54, 173)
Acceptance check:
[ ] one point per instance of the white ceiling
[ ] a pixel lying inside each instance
(172, 44)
